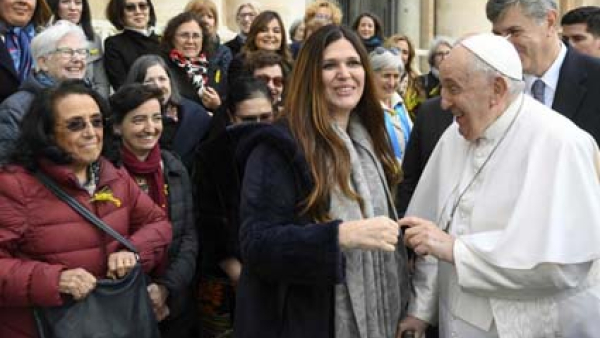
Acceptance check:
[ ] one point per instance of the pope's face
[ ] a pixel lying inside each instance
(468, 95)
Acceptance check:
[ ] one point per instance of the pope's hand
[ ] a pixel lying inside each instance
(425, 238)
(378, 233)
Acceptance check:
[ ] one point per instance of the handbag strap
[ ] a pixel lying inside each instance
(61, 194)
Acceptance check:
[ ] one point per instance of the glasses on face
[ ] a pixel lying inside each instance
(382, 50)
(246, 15)
(132, 6)
(277, 80)
(67, 52)
(442, 53)
(187, 36)
(267, 116)
(322, 16)
(77, 124)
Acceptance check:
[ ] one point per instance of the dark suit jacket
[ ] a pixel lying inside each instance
(430, 124)
(9, 78)
(577, 94)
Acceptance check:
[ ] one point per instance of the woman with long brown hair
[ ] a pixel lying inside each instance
(319, 240)
(267, 33)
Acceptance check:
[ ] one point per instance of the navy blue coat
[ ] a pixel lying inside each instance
(290, 263)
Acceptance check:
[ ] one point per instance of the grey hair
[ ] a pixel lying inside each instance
(255, 6)
(479, 66)
(435, 43)
(382, 58)
(535, 9)
(46, 42)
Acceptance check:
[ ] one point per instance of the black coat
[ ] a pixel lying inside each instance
(577, 94)
(121, 50)
(192, 127)
(8, 75)
(290, 263)
(235, 45)
(430, 124)
(183, 251)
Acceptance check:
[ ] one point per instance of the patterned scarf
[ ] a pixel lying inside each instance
(18, 40)
(196, 68)
(149, 170)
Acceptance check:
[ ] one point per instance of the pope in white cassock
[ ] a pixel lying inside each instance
(506, 216)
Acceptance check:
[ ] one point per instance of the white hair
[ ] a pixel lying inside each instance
(46, 42)
(382, 58)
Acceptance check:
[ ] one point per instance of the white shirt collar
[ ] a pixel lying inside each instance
(550, 77)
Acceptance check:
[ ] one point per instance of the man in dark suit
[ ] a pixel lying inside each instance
(430, 124)
(557, 76)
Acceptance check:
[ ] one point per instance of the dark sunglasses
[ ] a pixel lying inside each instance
(256, 118)
(382, 50)
(131, 7)
(277, 80)
(77, 124)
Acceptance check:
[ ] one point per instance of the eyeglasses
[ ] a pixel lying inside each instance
(267, 116)
(67, 52)
(246, 15)
(322, 16)
(441, 53)
(131, 7)
(277, 80)
(382, 50)
(77, 124)
(187, 36)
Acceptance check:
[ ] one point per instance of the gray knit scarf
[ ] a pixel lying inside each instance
(374, 297)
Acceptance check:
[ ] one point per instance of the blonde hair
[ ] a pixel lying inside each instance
(336, 12)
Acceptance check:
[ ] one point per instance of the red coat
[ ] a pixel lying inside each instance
(40, 236)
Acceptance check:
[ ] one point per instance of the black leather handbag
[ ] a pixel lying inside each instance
(114, 309)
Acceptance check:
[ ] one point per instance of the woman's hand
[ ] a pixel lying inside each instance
(378, 233)
(427, 239)
(414, 324)
(120, 263)
(158, 295)
(210, 98)
(77, 283)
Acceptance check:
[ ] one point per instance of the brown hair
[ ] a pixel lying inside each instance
(202, 6)
(391, 43)
(174, 24)
(41, 14)
(311, 124)
(115, 13)
(259, 23)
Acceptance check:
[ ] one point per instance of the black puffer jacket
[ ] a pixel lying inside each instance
(183, 251)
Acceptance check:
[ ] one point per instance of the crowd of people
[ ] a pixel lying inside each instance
(305, 180)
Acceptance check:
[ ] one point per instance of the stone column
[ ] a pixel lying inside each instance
(456, 21)
(409, 19)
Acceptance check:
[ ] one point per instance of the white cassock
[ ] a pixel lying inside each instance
(527, 229)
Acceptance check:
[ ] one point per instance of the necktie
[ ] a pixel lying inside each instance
(537, 90)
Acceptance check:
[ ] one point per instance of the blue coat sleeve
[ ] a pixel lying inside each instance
(274, 245)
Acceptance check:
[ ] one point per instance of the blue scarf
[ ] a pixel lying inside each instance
(44, 79)
(18, 41)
